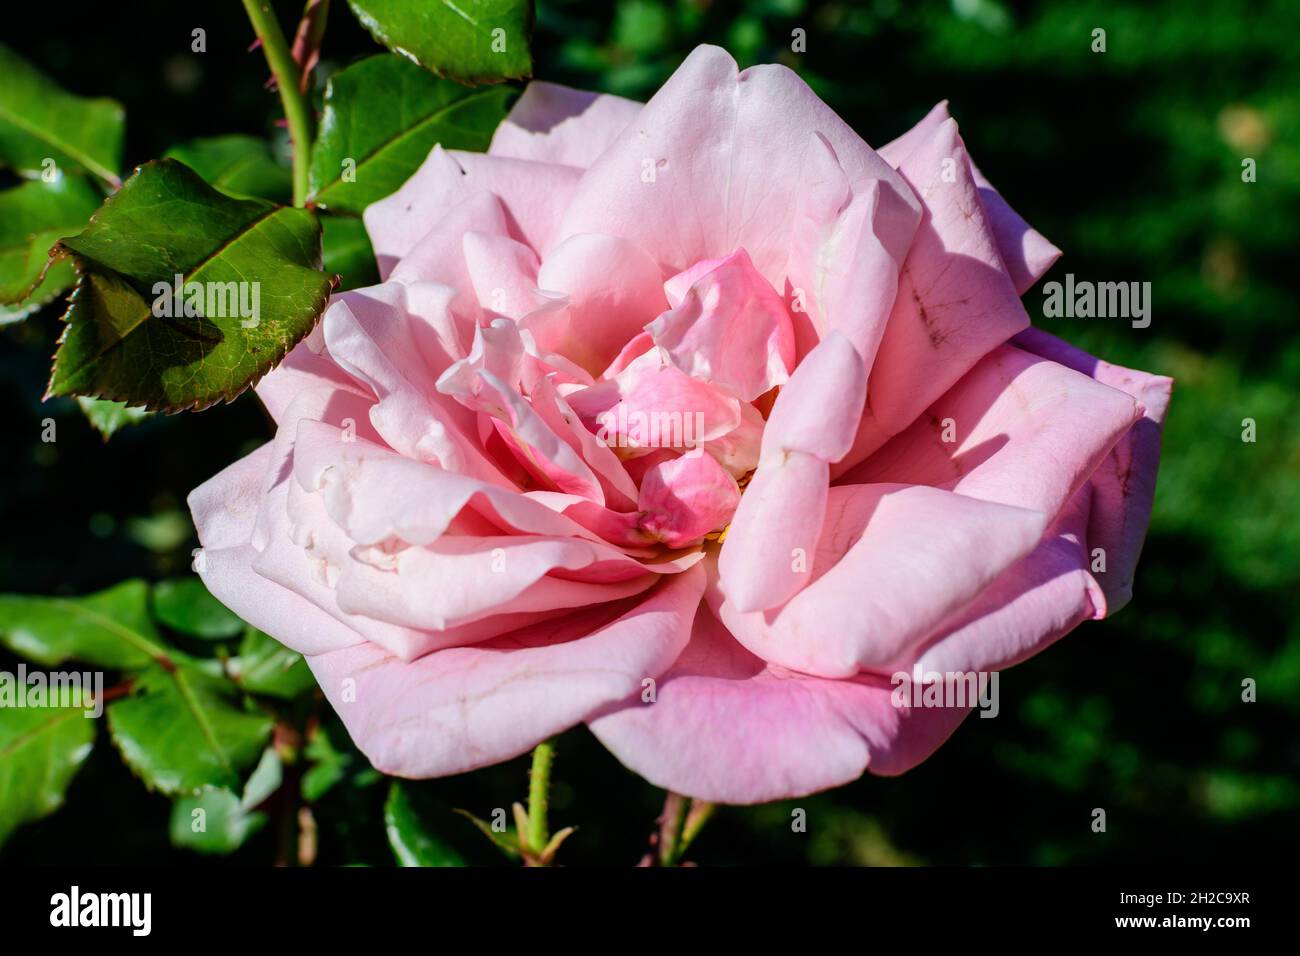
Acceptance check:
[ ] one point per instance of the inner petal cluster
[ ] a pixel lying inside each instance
(660, 440)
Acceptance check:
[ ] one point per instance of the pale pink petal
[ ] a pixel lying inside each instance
(556, 124)
(955, 300)
(617, 487)
(654, 404)
(1124, 485)
(224, 509)
(731, 329)
(681, 180)
(1017, 429)
(462, 708)
(438, 256)
(892, 563)
(767, 555)
(479, 576)
(724, 726)
(397, 338)
(306, 553)
(684, 498)
(840, 275)
(613, 289)
(374, 494)
(1025, 252)
(1033, 603)
(503, 273)
(304, 369)
(533, 194)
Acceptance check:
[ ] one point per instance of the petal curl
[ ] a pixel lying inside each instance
(462, 708)
(724, 726)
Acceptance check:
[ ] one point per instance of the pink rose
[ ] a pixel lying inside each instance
(694, 421)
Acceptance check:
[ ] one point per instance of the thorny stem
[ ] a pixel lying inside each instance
(287, 77)
(701, 813)
(680, 824)
(671, 823)
(539, 782)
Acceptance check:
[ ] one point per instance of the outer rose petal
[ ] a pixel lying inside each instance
(892, 563)
(779, 519)
(305, 368)
(1025, 432)
(551, 123)
(839, 274)
(224, 509)
(1032, 604)
(463, 708)
(955, 301)
(1026, 253)
(710, 135)
(1124, 485)
(534, 196)
(726, 727)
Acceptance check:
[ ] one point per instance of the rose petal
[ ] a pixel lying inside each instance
(1124, 485)
(463, 708)
(1025, 252)
(1023, 431)
(892, 562)
(955, 300)
(769, 545)
(684, 498)
(680, 181)
(613, 289)
(726, 727)
(556, 124)
(731, 329)
(533, 194)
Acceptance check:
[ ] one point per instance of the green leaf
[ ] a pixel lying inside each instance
(41, 749)
(40, 121)
(507, 843)
(329, 765)
(412, 843)
(185, 605)
(33, 217)
(164, 222)
(182, 730)
(348, 252)
(240, 166)
(265, 666)
(226, 820)
(111, 629)
(384, 115)
(108, 417)
(212, 821)
(470, 41)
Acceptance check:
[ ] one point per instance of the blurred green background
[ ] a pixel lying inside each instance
(1129, 160)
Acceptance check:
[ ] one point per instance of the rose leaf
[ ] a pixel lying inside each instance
(250, 287)
(382, 117)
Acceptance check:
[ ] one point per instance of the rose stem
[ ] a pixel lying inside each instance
(682, 820)
(539, 781)
(287, 76)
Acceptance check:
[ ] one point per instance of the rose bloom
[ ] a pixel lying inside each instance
(694, 421)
